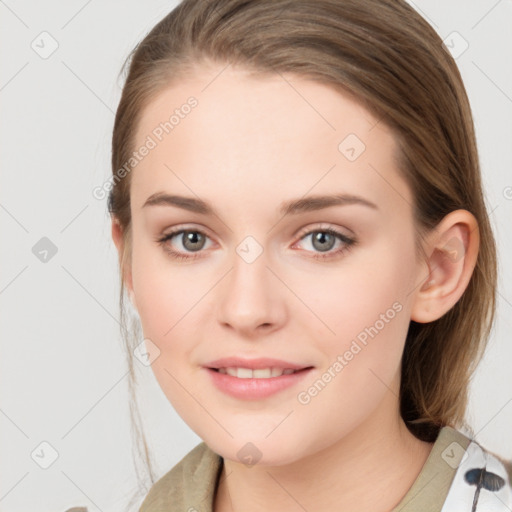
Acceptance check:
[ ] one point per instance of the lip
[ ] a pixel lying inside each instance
(254, 388)
(254, 364)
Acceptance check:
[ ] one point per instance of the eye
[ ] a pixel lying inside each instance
(192, 240)
(324, 239)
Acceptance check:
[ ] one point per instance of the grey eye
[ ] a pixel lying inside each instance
(322, 240)
(193, 240)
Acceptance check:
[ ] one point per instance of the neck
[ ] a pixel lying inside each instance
(370, 469)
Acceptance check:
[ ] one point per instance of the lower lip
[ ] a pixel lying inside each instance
(254, 389)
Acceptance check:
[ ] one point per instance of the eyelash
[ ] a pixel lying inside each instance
(349, 243)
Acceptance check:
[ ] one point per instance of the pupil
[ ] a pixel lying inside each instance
(320, 237)
(192, 237)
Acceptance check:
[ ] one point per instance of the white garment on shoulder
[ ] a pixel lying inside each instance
(481, 484)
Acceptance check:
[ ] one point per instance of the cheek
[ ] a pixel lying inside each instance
(361, 298)
(361, 363)
(366, 309)
(171, 301)
(164, 292)
(169, 307)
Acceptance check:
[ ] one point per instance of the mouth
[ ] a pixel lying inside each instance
(257, 373)
(255, 383)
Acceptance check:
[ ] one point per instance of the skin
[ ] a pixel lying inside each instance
(250, 144)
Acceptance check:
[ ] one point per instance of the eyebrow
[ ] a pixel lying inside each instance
(291, 207)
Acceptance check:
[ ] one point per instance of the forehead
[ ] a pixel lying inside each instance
(265, 134)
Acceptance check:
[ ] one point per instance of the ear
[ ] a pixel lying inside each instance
(452, 251)
(117, 237)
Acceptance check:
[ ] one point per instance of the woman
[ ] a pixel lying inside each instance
(298, 209)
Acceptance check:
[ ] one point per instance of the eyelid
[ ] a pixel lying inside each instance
(186, 227)
(321, 227)
(348, 240)
(179, 229)
(298, 234)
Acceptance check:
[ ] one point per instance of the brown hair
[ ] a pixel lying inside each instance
(387, 57)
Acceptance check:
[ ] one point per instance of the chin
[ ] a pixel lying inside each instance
(258, 451)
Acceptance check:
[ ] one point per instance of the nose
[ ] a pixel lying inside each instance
(250, 298)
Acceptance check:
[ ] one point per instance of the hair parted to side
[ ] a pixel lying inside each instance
(384, 55)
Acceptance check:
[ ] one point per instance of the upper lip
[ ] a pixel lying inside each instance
(261, 362)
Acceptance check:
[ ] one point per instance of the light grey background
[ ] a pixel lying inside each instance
(63, 373)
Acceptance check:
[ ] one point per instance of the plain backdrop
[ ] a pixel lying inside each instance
(64, 394)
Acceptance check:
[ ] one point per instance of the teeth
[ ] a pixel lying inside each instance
(260, 373)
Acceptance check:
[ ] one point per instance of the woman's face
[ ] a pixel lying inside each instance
(261, 277)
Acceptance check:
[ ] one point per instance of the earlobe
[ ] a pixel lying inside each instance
(452, 250)
(117, 236)
(132, 297)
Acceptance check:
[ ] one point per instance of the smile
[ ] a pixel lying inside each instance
(260, 373)
(249, 384)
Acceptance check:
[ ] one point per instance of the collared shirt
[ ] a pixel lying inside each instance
(459, 475)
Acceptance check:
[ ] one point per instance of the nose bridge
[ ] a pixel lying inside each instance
(250, 296)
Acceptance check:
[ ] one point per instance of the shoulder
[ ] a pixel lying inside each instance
(189, 486)
(482, 479)
(459, 475)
